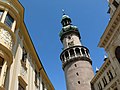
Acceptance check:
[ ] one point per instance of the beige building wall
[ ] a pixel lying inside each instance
(20, 66)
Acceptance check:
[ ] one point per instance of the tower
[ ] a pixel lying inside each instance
(75, 57)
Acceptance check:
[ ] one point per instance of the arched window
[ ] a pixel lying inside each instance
(77, 50)
(117, 53)
(83, 51)
(72, 53)
(66, 55)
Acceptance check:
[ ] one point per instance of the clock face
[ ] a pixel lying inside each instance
(117, 53)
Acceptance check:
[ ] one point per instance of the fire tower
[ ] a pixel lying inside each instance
(75, 57)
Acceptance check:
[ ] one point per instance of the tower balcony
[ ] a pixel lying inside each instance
(75, 53)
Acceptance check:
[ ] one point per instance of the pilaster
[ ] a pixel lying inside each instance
(4, 16)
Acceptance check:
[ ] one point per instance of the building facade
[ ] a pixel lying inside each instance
(20, 66)
(110, 41)
(75, 57)
(106, 77)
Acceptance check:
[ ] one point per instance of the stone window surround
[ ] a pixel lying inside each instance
(22, 82)
(99, 86)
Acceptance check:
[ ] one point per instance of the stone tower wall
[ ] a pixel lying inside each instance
(78, 75)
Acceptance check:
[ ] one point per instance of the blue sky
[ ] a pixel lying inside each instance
(42, 18)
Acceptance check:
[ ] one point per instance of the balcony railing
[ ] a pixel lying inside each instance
(74, 52)
(6, 39)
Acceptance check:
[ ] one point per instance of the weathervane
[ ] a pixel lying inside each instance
(63, 11)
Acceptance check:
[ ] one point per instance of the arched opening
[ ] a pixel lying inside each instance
(117, 53)
(63, 57)
(66, 55)
(77, 50)
(83, 51)
(72, 53)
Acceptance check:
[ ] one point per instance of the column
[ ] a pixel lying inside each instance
(85, 53)
(4, 16)
(81, 52)
(3, 74)
(13, 26)
(75, 52)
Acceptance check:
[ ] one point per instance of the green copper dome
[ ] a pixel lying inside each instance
(65, 16)
(67, 27)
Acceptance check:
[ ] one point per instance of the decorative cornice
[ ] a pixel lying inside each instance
(111, 29)
(101, 70)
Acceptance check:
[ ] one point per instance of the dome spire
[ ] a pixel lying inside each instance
(63, 11)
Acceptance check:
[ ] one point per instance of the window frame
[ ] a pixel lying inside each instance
(9, 20)
(99, 86)
(104, 81)
(115, 3)
(1, 65)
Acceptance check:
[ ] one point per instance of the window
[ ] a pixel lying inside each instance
(1, 63)
(110, 76)
(43, 86)
(99, 86)
(77, 50)
(9, 20)
(35, 77)
(66, 55)
(72, 53)
(115, 3)
(77, 74)
(104, 81)
(20, 87)
(75, 65)
(83, 51)
(69, 37)
(1, 13)
(24, 55)
(117, 53)
(78, 82)
(70, 44)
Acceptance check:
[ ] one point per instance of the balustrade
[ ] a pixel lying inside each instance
(74, 52)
